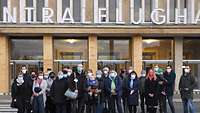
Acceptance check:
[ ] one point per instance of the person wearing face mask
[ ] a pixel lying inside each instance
(49, 103)
(151, 92)
(101, 96)
(57, 91)
(187, 84)
(17, 93)
(124, 77)
(161, 89)
(133, 95)
(81, 87)
(170, 77)
(113, 88)
(28, 83)
(66, 74)
(142, 79)
(39, 94)
(92, 92)
(33, 75)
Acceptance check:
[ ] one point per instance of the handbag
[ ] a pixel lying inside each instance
(70, 94)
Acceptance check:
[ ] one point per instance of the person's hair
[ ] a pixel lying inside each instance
(52, 73)
(90, 70)
(154, 74)
(133, 72)
(40, 72)
(23, 66)
(169, 66)
(66, 67)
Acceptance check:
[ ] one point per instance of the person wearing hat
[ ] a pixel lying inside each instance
(161, 89)
(113, 88)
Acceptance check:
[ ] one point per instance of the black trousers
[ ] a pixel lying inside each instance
(142, 100)
(151, 109)
(162, 104)
(132, 109)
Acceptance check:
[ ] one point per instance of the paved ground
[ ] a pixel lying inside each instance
(5, 105)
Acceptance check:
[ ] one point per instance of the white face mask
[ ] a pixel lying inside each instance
(169, 70)
(41, 77)
(133, 76)
(23, 71)
(90, 75)
(69, 73)
(112, 75)
(65, 75)
(187, 70)
(99, 76)
(105, 72)
(143, 75)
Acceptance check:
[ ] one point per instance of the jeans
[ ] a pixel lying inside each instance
(171, 104)
(188, 106)
(38, 104)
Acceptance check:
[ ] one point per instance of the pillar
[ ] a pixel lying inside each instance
(136, 45)
(89, 10)
(92, 55)
(47, 52)
(4, 64)
(178, 59)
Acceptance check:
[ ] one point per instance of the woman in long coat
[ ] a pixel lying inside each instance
(151, 91)
(132, 90)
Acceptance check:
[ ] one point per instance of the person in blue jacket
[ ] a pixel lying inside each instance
(132, 90)
(113, 88)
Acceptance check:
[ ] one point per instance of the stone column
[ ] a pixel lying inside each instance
(4, 64)
(136, 45)
(92, 53)
(47, 52)
(178, 58)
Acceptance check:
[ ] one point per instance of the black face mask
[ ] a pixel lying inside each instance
(64, 72)
(51, 76)
(32, 76)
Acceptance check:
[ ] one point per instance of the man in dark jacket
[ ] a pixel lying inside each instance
(142, 90)
(82, 90)
(28, 84)
(170, 77)
(186, 85)
(57, 92)
(161, 90)
(113, 89)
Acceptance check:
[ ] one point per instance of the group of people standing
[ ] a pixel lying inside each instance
(75, 90)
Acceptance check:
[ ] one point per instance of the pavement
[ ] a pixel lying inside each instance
(5, 104)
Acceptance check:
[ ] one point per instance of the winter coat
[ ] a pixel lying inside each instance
(28, 82)
(170, 83)
(58, 89)
(132, 98)
(161, 85)
(186, 85)
(80, 85)
(118, 84)
(142, 84)
(151, 87)
(17, 92)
